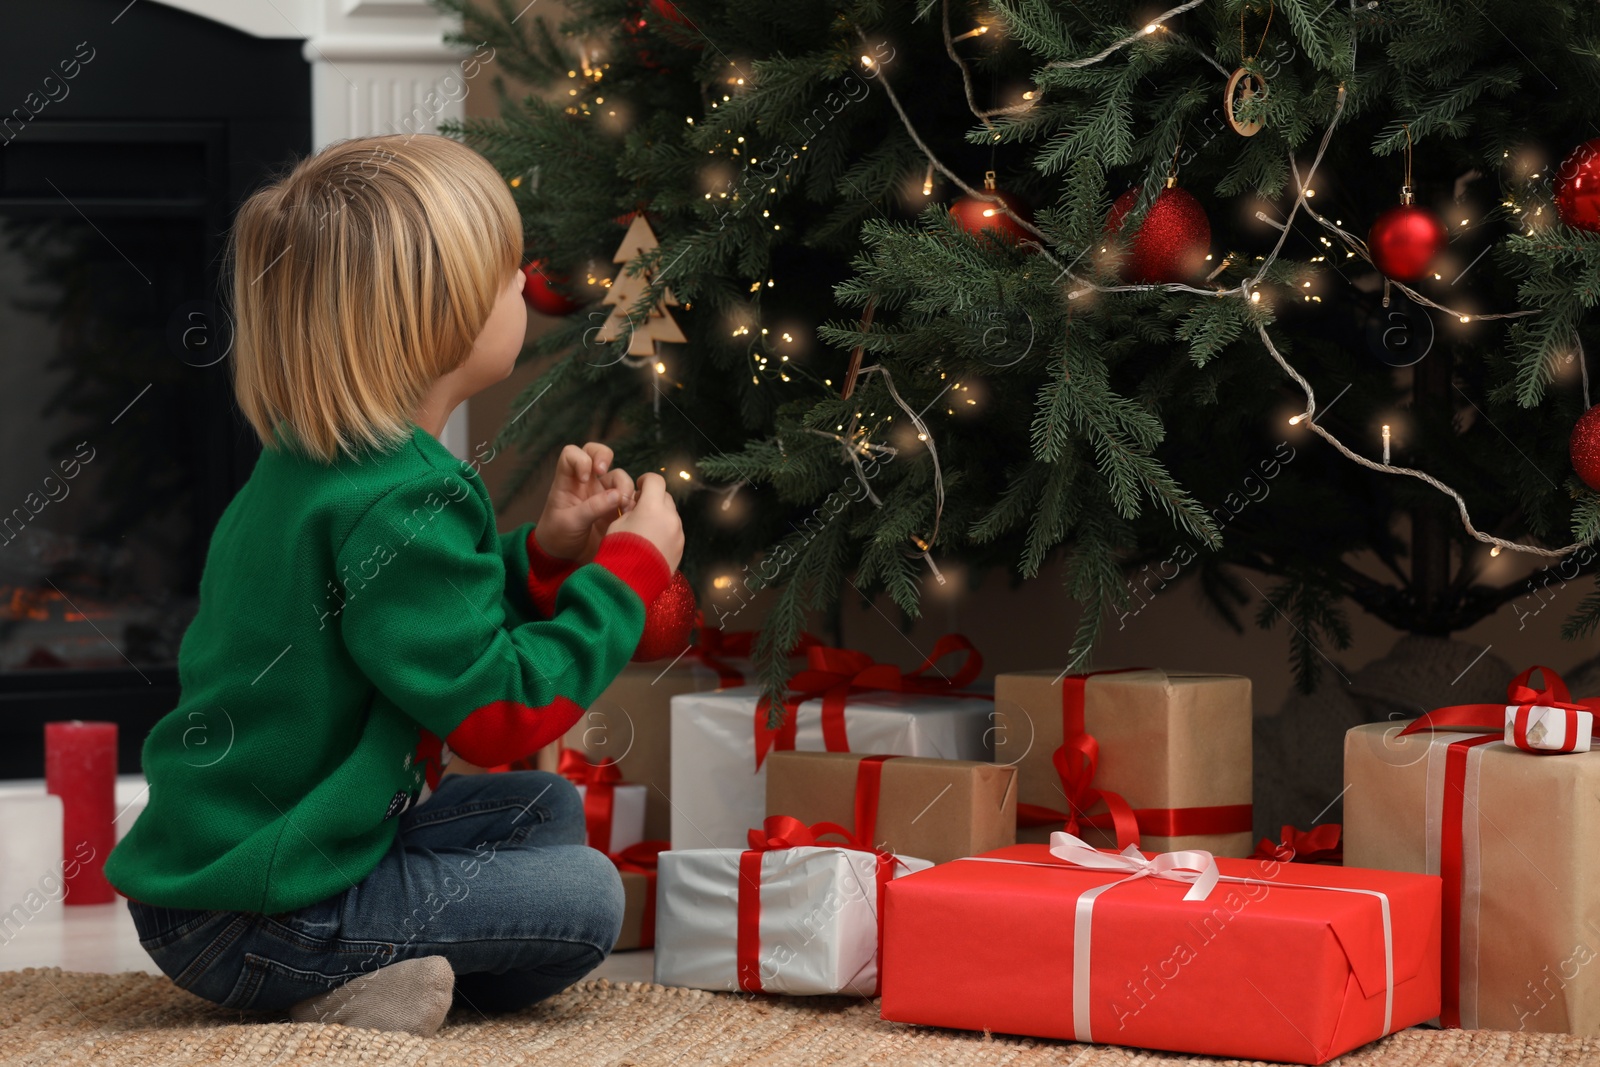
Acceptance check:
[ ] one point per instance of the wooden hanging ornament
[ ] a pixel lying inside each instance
(1246, 84)
(627, 288)
(858, 351)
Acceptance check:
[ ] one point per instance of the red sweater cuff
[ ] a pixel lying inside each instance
(637, 562)
(545, 575)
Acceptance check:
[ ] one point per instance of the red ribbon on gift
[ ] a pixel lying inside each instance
(1489, 720)
(869, 787)
(1304, 846)
(643, 858)
(835, 674)
(711, 646)
(1523, 719)
(1077, 760)
(781, 832)
(599, 781)
(430, 753)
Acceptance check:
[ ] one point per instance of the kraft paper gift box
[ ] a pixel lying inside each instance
(798, 921)
(638, 868)
(638, 893)
(933, 808)
(719, 790)
(1281, 961)
(630, 723)
(1176, 745)
(1512, 834)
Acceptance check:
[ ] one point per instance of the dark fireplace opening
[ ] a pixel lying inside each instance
(121, 440)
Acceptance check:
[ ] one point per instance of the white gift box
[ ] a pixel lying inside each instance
(1549, 729)
(627, 815)
(717, 792)
(817, 927)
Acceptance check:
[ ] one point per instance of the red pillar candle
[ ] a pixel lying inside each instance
(81, 768)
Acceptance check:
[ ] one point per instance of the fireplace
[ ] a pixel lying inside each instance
(126, 142)
(130, 131)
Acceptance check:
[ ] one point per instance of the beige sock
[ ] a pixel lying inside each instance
(412, 995)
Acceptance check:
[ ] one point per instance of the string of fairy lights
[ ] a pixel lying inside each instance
(856, 437)
(1248, 289)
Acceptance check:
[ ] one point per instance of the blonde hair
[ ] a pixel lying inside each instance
(360, 278)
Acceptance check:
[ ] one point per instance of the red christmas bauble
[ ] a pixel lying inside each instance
(668, 622)
(538, 289)
(669, 11)
(1585, 447)
(633, 25)
(1172, 243)
(1404, 240)
(985, 218)
(683, 33)
(1578, 187)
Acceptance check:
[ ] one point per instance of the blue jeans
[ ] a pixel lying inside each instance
(490, 872)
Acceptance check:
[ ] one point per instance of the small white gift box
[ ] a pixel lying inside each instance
(799, 921)
(1537, 728)
(627, 816)
(718, 792)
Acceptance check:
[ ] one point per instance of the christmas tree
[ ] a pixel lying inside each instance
(1287, 296)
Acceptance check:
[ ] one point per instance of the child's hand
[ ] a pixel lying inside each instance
(583, 502)
(655, 518)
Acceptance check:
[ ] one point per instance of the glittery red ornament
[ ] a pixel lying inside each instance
(668, 10)
(1404, 240)
(1172, 243)
(538, 289)
(667, 622)
(984, 217)
(1585, 447)
(1578, 187)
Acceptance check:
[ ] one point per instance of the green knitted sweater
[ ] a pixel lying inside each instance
(350, 615)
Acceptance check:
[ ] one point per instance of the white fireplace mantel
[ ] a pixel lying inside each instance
(377, 67)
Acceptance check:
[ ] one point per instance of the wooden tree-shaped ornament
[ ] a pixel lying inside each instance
(626, 290)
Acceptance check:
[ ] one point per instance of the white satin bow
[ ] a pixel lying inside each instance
(1195, 866)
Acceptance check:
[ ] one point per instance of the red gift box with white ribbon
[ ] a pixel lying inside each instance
(1180, 951)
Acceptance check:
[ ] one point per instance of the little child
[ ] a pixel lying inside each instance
(358, 605)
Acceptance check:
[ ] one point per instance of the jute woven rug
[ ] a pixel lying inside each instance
(64, 1018)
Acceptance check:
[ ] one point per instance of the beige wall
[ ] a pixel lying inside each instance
(1032, 626)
